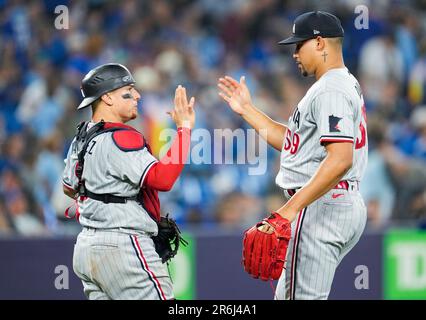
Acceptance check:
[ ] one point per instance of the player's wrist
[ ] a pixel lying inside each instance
(247, 111)
(185, 129)
(287, 213)
(184, 124)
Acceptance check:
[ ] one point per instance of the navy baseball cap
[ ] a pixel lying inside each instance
(312, 24)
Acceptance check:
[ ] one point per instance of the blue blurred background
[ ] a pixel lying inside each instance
(193, 43)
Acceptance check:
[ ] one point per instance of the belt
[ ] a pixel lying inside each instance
(108, 198)
(117, 229)
(344, 184)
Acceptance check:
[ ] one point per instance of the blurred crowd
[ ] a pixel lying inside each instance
(193, 43)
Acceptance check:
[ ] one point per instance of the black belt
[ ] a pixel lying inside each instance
(107, 197)
(344, 184)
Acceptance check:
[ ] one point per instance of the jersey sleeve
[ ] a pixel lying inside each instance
(334, 116)
(69, 178)
(164, 174)
(130, 165)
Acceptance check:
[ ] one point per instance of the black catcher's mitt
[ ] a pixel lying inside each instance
(168, 235)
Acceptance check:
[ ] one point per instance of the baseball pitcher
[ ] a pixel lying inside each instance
(324, 152)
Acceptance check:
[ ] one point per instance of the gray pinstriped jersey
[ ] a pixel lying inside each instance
(108, 169)
(332, 110)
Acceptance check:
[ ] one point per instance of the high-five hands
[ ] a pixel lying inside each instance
(183, 114)
(235, 93)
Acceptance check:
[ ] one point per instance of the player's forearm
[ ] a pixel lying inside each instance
(328, 175)
(163, 175)
(271, 131)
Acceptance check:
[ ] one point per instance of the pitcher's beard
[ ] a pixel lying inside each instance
(302, 70)
(305, 73)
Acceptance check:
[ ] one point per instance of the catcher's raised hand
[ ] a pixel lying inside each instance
(235, 93)
(183, 113)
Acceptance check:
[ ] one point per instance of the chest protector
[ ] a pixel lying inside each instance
(147, 197)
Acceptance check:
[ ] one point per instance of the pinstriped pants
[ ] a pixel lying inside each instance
(322, 234)
(116, 265)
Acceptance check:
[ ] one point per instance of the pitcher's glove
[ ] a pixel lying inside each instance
(168, 235)
(264, 253)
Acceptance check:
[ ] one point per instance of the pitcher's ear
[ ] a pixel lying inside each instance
(320, 43)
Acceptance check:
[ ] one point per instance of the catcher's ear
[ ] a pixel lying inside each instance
(107, 99)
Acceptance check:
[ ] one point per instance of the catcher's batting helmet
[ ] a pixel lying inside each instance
(103, 79)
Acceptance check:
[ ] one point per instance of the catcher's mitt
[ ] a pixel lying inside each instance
(264, 254)
(168, 235)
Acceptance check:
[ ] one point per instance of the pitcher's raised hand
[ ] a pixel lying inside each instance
(235, 93)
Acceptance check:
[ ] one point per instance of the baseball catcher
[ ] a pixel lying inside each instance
(115, 179)
(265, 247)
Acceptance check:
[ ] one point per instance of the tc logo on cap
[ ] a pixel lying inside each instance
(126, 78)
